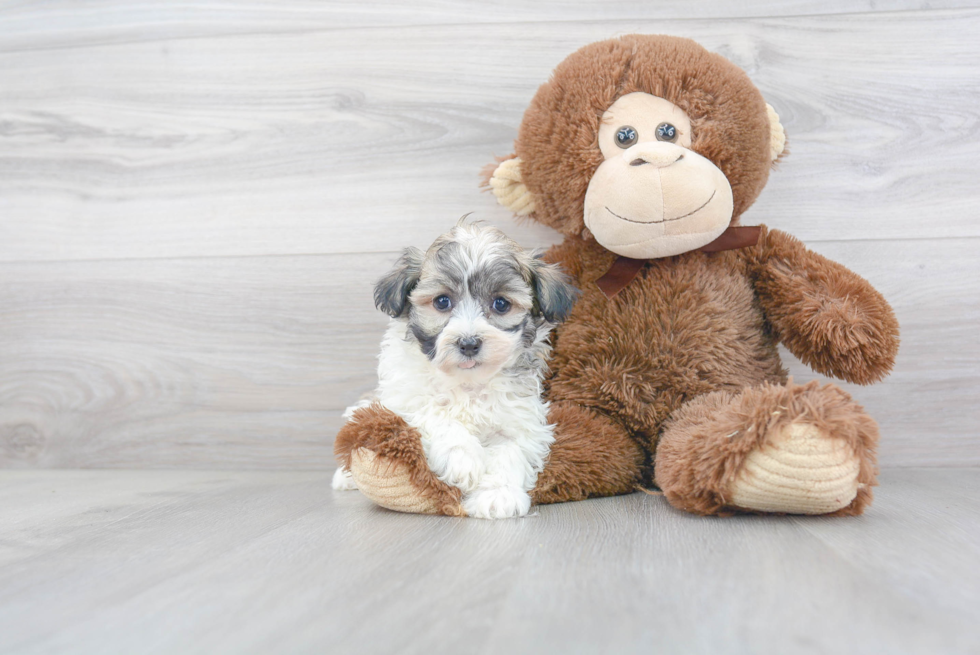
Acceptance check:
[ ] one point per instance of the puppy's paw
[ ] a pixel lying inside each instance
(497, 503)
(342, 480)
(460, 465)
(464, 468)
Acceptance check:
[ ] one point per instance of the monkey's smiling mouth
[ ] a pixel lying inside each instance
(665, 220)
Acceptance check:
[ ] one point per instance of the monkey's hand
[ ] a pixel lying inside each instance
(828, 316)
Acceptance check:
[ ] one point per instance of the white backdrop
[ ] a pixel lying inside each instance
(195, 201)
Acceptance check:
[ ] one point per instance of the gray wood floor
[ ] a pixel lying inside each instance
(263, 562)
(195, 199)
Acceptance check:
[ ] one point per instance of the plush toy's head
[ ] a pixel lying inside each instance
(650, 144)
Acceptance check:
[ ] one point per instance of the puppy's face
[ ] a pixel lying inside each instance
(475, 300)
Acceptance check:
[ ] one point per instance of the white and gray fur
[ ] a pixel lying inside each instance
(468, 376)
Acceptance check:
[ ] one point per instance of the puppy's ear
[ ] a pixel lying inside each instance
(554, 295)
(391, 292)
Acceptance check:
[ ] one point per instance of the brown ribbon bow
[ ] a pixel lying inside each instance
(624, 269)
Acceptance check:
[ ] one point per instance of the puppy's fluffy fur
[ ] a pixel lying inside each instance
(463, 360)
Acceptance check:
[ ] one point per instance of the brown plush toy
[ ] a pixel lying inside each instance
(644, 151)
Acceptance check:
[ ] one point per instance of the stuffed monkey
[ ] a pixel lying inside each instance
(644, 152)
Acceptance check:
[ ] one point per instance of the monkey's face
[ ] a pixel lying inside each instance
(653, 196)
(649, 144)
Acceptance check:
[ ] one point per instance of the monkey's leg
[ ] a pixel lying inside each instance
(591, 456)
(787, 449)
(384, 456)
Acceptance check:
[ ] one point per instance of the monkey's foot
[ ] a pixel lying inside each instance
(788, 449)
(389, 482)
(800, 470)
(385, 458)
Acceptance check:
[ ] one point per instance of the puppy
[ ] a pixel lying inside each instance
(463, 360)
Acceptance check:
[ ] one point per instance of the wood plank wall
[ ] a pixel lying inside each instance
(195, 200)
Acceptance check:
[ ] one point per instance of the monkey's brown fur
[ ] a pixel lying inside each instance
(677, 378)
(557, 139)
(389, 437)
(698, 459)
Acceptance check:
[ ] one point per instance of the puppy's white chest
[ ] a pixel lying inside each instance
(504, 407)
(475, 410)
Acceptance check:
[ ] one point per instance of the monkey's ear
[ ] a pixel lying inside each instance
(392, 291)
(506, 185)
(777, 135)
(554, 295)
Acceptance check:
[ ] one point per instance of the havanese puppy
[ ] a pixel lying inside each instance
(463, 360)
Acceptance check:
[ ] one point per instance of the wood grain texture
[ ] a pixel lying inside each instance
(62, 23)
(248, 362)
(232, 562)
(195, 200)
(202, 362)
(287, 140)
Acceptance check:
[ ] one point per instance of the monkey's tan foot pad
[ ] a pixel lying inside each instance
(388, 483)
(803, 470)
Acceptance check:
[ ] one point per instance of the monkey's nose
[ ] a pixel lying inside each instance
(656, 154)
(659, 162)
(469, 346)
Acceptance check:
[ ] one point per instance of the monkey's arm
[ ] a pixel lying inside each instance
(828, 316)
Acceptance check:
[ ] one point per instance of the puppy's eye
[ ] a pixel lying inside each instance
(442, 303)
(625, 136)
(666, 132)
(501, 305)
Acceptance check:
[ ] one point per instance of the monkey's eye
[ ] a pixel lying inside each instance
(501, 305)
(442, 303)
(666, 132)
(625, 136)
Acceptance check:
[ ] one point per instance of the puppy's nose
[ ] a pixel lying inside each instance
(470, 346)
